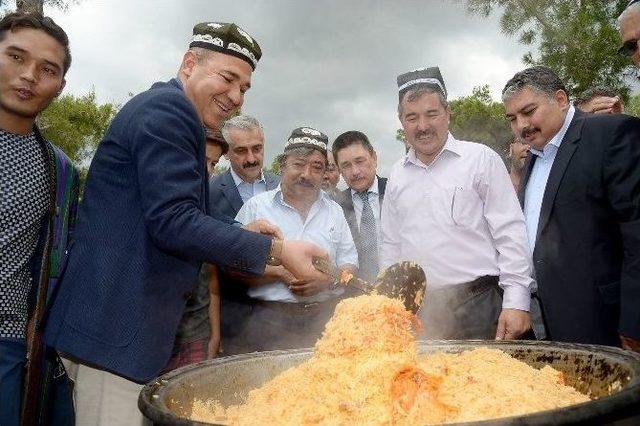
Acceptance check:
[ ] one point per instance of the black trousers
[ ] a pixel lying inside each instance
(465, 311)
(278, 325)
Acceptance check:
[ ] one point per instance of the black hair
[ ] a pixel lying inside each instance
(17, 20)
(352, 137)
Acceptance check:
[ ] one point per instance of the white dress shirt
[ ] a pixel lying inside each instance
(374, 201)
(246, 189)
(459, 218)
(537, 183)
(325, 226)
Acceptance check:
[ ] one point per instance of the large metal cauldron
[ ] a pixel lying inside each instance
(609, 374)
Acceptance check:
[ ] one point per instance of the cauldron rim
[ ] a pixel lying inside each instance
(151, 399)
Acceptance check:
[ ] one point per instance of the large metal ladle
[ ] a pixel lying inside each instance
(404, 280)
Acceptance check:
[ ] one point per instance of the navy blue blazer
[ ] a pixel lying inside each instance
(224, 197)
(141, 237)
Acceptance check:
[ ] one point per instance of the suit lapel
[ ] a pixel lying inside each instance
(382, 185)
(231, 192)
(350, 214)
(528, 166)
(560, 163)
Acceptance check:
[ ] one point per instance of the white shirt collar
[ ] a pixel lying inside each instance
(238, 180)
(556, 140)
(451, 145)
(278, 197)
(373, 188)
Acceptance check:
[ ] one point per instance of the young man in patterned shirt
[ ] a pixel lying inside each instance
(36, 181)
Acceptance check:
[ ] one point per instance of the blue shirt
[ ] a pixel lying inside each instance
(324, 226)
(246, 189)
(537, 182)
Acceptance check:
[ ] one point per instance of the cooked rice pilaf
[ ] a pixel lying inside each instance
(366, 370)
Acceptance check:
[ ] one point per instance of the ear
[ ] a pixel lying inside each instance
(561, 97)
(189, 61)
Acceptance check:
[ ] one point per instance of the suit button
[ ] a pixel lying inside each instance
(187, 295)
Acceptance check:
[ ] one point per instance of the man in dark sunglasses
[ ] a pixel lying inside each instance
(629, 22)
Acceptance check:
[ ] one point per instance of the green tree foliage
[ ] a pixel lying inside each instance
(30, 6)
(477, 118)
(219, 169)
(77, 124)
(274, 168)
(578, 39)
(633, 107)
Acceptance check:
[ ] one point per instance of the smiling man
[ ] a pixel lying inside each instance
(450, 206)
(288, 312)
(581, 197)
(143, 229)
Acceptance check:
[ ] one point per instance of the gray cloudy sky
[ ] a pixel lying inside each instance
(326, 64)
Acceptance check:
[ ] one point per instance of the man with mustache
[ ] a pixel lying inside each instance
(245, 178)
(450, 206)
(629, 25)
(581, 197)
(291, 313)
(358, 163)
(143, 229)
(227, 193)
(38, 197)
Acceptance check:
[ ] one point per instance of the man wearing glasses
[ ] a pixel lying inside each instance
(629, 22)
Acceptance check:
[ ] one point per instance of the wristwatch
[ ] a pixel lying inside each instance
(275, 254)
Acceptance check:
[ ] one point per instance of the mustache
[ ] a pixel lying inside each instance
(425, 133)
(250, 164)
(304, 182)
(527, 131)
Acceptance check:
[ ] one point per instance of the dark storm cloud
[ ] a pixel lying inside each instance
(327, 64)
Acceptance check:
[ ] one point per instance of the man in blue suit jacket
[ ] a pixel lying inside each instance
(227, 193)
(143, 229)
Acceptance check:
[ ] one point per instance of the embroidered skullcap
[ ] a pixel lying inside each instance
(425, 76)
(226, 38)
(307, 137)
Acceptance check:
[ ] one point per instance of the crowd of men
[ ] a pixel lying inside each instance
(152, 277)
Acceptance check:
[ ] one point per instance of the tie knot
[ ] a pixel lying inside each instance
(364, 195)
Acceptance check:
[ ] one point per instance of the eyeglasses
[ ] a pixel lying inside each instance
(629, 47)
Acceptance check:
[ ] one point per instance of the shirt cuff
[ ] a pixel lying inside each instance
(516, 297)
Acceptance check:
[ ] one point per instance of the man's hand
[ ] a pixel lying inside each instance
(630, 344)
(296, 257)
(518, 152)
(284, 275)
(512, 323)
(303, 288)
(603, 105)
(262, 226)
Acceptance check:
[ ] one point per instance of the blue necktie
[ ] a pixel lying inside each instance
(368, 240)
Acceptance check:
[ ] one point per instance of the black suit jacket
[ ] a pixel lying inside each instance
(346, 202)
(587, 251)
